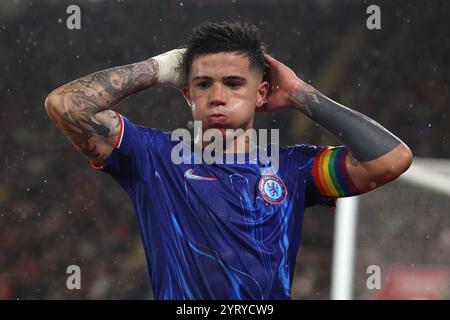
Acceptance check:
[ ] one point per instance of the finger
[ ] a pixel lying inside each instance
(266, 73)
(270, 59)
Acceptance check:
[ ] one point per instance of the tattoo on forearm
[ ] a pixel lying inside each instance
(82, 101)
(299, 104)
(353, 159)
(108, 87)
(366, 138)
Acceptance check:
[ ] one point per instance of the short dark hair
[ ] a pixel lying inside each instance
(215, 37)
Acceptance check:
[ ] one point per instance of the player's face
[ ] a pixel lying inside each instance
(223, 91)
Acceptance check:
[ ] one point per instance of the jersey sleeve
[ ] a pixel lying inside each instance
(327, 176)
(129, 161)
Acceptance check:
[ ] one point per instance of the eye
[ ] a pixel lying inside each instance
(234, 85)
(202, 85)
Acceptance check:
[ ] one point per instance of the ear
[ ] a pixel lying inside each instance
(187, 95)
(262, 94)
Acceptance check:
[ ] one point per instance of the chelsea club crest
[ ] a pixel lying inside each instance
(272, 189)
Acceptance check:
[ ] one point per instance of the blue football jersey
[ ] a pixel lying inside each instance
(219, 231)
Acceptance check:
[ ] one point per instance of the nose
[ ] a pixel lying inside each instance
(216, 95)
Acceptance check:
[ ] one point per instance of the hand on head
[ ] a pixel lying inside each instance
(283, 82)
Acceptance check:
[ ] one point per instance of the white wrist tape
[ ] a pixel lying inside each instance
(170, 67)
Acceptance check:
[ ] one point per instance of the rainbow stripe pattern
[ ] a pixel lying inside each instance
(330, 173)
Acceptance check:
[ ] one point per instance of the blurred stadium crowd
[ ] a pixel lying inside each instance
(56, 211)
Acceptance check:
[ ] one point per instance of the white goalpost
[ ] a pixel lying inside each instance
(344, 248)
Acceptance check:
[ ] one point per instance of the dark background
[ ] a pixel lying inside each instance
(56, 211)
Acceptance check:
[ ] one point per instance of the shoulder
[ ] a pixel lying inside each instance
(146, 133)
(155, 134)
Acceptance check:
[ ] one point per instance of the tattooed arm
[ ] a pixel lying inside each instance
(374, 156)
(81, 108)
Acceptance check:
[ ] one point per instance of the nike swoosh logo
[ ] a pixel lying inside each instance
(189, 175)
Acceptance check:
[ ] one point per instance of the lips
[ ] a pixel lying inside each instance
(218, 118)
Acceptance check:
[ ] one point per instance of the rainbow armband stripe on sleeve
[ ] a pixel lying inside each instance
(330, 173)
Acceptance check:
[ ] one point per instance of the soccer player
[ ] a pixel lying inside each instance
(223, 231)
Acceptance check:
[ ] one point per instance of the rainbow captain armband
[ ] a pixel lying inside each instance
(330, 173)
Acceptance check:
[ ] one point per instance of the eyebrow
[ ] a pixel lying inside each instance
(227, 78)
